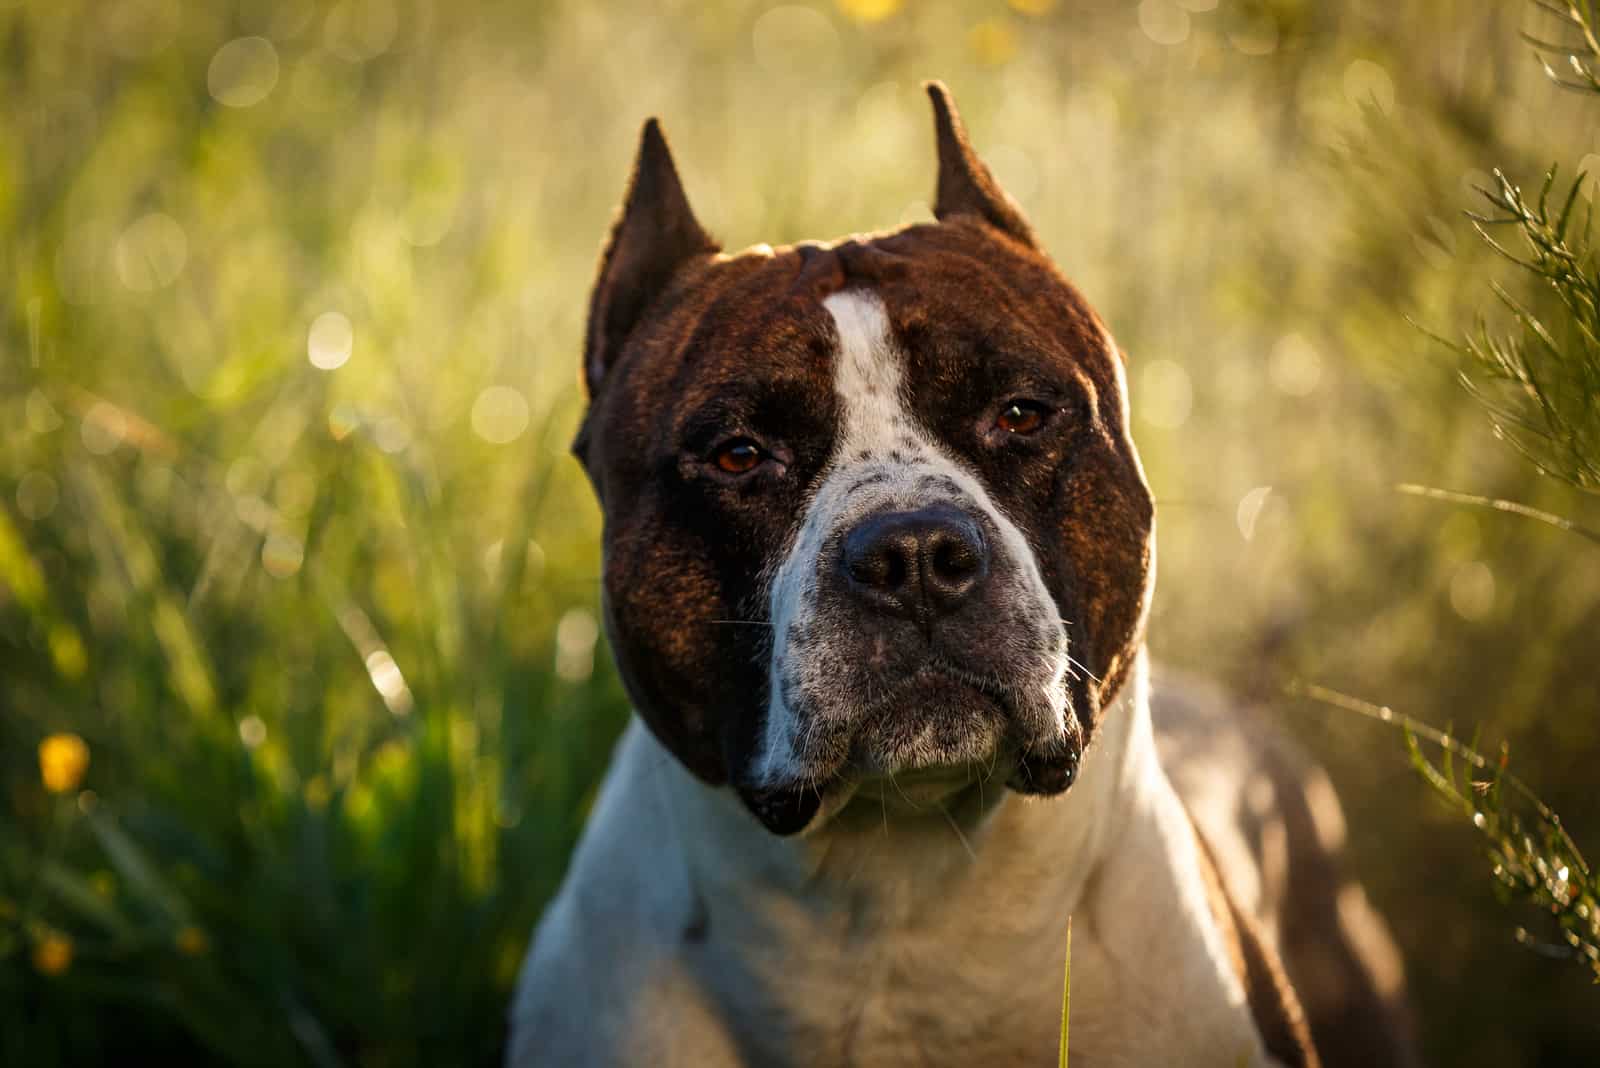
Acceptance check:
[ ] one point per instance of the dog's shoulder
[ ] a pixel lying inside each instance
(1274, 1006)
(605, 981)
(1273, 827)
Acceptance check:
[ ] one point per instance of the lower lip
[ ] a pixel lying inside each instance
(920, 787)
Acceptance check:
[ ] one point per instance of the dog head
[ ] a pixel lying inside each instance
(871, 507)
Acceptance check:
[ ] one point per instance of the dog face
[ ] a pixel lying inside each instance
(871, 508)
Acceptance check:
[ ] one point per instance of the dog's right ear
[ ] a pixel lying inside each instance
(966, 186)
(656, 233)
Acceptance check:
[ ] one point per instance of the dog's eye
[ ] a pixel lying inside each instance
(739, 456)
(1022, 417)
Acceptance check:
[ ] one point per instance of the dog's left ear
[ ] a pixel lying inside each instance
(965, 185)
(655, 235)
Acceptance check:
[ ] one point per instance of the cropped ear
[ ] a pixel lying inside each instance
(965, 185)
(655, 234)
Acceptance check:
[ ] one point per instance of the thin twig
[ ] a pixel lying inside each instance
(1446, 742)
(1499, 505)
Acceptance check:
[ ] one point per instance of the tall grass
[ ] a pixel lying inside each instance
(292, 554)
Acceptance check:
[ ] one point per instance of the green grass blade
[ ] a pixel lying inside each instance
(1066, 995)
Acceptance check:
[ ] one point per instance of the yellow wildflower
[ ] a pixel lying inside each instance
(869, 10)
(52, 954)
(192, 942)
(63, 758)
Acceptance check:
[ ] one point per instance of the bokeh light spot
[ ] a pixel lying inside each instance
(392, 434)
(37, 495)
(252, 731)
(104, 427)
(343, 421)
(245, 476)
(1034, 8)
(359, 30)
(1366, 82)
(151, 252)
(1164, 22)
(330, 341)
(282, 554)
(576, 635)
(500, 415)
(1249, 510)
(1472, 591)
(1294, 365)
(41, 414)
(870, 10)
(243, 72)
(389, 682)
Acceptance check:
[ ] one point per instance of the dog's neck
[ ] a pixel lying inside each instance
(887, 859)
(889, 912)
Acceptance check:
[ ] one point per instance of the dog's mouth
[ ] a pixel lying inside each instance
(939, 729)
(938, 715)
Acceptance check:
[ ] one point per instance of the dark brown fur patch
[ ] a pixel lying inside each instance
(1278, 1016)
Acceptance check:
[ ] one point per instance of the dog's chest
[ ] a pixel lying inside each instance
(917, 999)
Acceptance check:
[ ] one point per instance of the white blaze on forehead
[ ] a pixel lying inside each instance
(882, 459)
(866, 377)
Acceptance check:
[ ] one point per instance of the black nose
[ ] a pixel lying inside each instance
(919, 565)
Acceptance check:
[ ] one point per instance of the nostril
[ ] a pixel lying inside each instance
(877, 568)
(916, 564)
(876, 562)
(955, 558)
(893, 570)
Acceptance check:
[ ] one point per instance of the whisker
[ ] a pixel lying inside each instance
(1081, 666)
(896, 783)
(742, 622)
(959, 836)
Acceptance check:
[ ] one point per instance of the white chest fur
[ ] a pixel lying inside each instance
(686, 933)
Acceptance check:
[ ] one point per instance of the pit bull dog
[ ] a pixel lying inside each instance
(878, 557)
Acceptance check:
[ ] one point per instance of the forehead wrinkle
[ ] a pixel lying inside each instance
(1005, 293)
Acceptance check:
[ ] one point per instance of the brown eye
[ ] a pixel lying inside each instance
(1021, 417)
(739, 456)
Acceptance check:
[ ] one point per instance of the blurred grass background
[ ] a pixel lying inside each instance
(290, 308)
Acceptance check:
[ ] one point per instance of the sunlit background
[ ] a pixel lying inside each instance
(303, 694)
